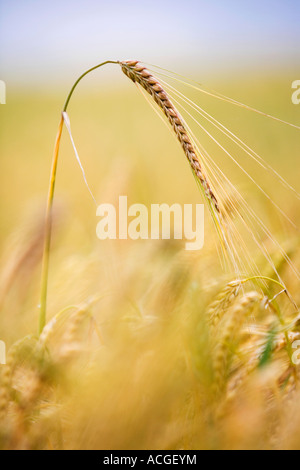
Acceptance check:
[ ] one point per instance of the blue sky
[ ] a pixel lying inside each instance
(43, 40)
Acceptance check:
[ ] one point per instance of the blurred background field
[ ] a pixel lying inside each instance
(135, 368)
(113, 129)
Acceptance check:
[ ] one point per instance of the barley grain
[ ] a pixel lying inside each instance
(139, 74)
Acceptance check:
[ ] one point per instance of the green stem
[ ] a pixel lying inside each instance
(82, 76)
(48, 221)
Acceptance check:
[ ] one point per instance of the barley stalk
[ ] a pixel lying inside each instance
(138, 74)
(48, 219)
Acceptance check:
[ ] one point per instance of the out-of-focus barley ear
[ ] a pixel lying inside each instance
(6, 372)
(4, 389)
(227, 296)
(47, 332)
(71, 341)
(217, 309)
(21, 261)
(228, 334)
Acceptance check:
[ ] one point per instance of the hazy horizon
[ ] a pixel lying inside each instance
(44, 43)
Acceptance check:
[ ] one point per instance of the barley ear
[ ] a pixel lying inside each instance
(139, 74)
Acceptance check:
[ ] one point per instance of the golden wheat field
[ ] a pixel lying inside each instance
(147, 345)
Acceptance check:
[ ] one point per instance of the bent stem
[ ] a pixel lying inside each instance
(48, 219)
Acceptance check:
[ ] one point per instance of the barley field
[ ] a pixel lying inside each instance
(147, 345)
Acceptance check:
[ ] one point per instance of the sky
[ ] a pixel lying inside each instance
(51, 41)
